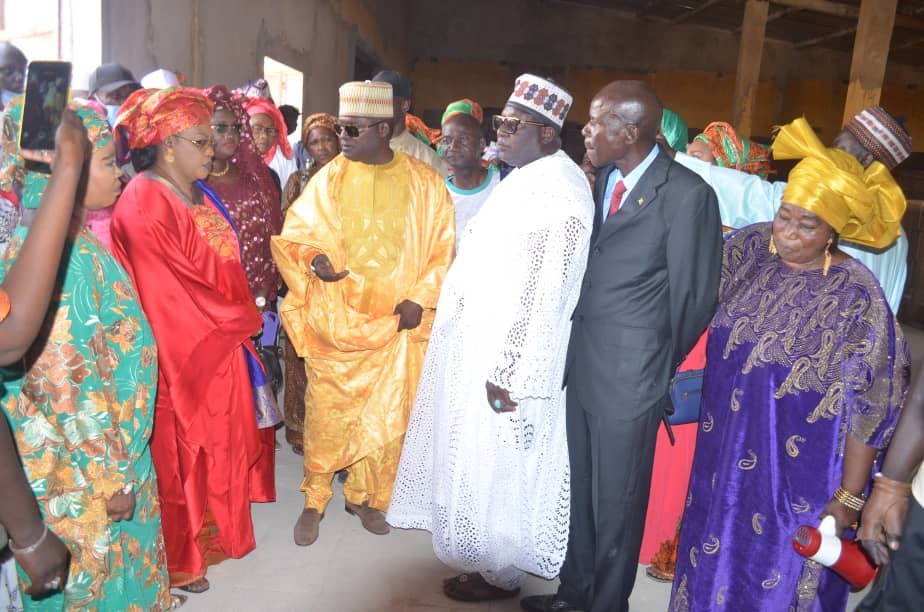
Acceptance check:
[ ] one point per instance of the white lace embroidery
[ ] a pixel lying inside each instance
(493, 488)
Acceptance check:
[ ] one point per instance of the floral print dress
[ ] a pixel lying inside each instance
(82, 412)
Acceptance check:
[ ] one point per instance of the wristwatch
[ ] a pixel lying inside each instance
(261, 301)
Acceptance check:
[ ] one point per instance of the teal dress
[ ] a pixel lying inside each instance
(82, 413)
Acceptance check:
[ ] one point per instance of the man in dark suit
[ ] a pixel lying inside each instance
(649, 291)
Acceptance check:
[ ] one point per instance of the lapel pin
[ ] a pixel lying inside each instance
(641, 201)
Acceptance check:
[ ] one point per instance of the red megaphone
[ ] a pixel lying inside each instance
(845, 557)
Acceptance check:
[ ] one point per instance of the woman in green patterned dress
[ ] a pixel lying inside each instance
(82, 405)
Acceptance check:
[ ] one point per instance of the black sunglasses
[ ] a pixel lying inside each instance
(510, 125)
(354, 131)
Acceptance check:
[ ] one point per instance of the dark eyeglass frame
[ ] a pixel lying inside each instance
(269, 131)
(200, 143)
(354, 131)
(224, 128)
(510, 125)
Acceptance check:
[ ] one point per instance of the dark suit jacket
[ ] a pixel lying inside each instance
(649, 291)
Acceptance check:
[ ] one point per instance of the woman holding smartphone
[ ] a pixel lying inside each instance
(82, 404)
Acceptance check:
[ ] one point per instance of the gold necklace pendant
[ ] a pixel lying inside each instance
(223, 172)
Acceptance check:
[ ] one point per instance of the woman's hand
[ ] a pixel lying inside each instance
(844, 517)
(121, 506)
(46, 566)
(72, 146)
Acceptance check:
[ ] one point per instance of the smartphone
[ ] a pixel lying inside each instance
(48, 90)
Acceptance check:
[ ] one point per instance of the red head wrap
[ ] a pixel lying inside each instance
(255, 106)
(151, 115)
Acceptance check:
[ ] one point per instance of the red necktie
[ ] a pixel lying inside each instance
(616, 200)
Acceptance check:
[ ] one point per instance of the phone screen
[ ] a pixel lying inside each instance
(48, 87)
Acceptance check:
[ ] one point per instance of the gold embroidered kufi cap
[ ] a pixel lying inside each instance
(366, 99)
(863, 206)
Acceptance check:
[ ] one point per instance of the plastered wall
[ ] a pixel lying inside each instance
(318, 37)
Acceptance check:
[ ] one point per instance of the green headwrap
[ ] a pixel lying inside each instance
(13, 173)
(675, 130)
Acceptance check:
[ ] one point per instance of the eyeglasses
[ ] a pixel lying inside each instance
(462, 141)
(510, 125)
(259, 131)
(200, 143)
(224, 128)
(353, 131)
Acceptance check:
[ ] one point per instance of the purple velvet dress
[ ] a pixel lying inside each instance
(796, 361)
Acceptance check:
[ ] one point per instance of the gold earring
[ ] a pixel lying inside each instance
(168, 156)
(772, 247)
(827, 266)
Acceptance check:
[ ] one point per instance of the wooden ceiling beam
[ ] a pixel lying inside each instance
(811, 42)
(822, 6)
(777, 15)
(693, 12)
(908, 22)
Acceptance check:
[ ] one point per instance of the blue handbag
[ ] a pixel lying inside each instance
(686, 391)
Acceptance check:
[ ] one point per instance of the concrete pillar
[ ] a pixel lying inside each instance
(750, 49)
(870, 53)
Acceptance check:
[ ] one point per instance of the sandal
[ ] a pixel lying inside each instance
(197, 586)
(177, 601)
(664, 563)
(472, 587)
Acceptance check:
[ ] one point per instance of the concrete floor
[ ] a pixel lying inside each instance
(351, 570)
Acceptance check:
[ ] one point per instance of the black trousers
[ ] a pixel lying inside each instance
(611, 462)
(900, 586)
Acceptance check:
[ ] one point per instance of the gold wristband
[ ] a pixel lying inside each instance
(845, 497)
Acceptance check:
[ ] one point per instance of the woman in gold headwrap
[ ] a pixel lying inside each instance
(805, 377)
(322, 144)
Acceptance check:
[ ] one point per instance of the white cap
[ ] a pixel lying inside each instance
(160, 79)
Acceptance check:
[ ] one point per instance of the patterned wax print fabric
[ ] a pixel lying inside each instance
(391, 225)
(151, 115)
(796, 362)
(211, 460)
(82, 415)
(733, 151)
(494, 488)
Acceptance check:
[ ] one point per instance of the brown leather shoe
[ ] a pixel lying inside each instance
(372, 519)
(306, 528)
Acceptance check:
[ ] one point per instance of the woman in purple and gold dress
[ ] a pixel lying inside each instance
(806, 373)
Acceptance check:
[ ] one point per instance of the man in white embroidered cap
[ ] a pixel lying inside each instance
(485, 461)
(363, 251)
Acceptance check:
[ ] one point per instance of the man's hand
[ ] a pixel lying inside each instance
(46, 566)
(884, 518)
(409, 314)
(324, 269)
(121, 506)
(499, 398)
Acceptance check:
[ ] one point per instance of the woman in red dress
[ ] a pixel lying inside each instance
(176, 242)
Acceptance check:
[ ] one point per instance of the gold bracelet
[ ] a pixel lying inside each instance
(854, 502)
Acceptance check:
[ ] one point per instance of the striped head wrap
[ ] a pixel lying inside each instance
(882, 135)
